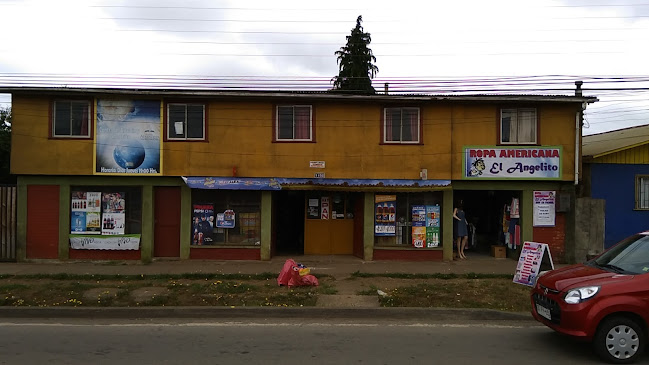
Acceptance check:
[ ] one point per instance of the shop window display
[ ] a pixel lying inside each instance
(226, 217)
(99, 212)
(398, 216)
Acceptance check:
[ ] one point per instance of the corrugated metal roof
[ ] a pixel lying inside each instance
(326, 95)
(613, 141)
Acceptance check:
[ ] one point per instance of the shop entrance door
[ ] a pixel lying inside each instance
(167, 222)
(329, 225)
(288, 223)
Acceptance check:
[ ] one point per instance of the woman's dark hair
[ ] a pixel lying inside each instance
(460, 204)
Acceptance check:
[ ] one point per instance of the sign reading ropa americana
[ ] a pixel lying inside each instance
(512, 163)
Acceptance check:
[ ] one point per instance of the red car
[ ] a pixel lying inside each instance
(604, 300)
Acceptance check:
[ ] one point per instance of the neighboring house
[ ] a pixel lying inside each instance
(616, 167)
(198, 174)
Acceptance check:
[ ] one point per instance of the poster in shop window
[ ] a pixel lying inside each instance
(385, 211)
(432, 225)
(203, 223)
(418, 226)
(544, 213)
(113, 219)
(225, 219)
(85, 212)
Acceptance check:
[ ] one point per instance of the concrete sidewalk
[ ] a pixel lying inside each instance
(338, 266)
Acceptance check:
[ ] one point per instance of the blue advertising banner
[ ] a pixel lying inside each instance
(537, 163)
(128, 137)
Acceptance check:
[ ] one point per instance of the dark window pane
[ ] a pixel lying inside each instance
(505, 127)
(195, 121)
(285, 122)
(396, 124)
(410, 125)
(79, 118)
(62, 118)
(176, 127)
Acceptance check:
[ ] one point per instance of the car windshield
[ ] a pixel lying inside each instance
(630, 256)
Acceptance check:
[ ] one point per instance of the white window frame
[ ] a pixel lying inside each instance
(385, 127)
(170, 137)
(277, 136)
(517, 111)
(642, 192)
(54, 121)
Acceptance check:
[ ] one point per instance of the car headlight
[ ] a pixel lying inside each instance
(578, 295)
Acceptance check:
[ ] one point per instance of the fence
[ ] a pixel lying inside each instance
(8, 206)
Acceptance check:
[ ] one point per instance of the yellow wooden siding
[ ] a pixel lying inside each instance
(636, 155)
(348, 139)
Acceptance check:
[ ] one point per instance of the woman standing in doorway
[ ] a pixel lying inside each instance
(462, 233)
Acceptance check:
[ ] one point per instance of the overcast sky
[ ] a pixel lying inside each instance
(535, 46)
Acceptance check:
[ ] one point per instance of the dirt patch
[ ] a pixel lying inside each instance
(493, 293)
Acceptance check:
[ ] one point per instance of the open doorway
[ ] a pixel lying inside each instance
(486, 211)
(289, 222)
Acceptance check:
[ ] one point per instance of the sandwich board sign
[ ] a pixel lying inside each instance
(534, 258)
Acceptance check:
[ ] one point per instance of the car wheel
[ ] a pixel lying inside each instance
(619, 340)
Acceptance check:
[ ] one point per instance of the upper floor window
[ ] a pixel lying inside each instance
(71, 119)
(518, 126)
(642, 192)
(185, 121)
(401, 125)
(294, 123)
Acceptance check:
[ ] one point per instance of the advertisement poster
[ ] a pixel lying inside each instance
(113, 218)
(84, 215)
(313, 210)
(544, 213)
(128, 137)
(94, 201)
(324, 207)
(225, 219)
(432, 225)
(512, 163)
(88, 242)
(533, 255)
(385, 211)
(419, 226)
(113, 223)
(203, 224)
(418, 236)
(78, 222)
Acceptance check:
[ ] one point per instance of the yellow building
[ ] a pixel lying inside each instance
(139, 174)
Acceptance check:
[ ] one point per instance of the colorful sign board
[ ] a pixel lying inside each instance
(544, 209)
(533, 255)
(385, 212)
(533, 163)
(128, 138)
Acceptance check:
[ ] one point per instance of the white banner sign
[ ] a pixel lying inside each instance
(544, 202)
(87, 242)
(512, 163)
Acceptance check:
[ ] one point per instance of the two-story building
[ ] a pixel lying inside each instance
(197, 174)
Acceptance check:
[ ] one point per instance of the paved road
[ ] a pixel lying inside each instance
(81, 341)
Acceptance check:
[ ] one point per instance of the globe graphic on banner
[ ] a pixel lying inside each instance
(129, 154)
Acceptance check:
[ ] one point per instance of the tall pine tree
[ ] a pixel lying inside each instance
(356, 63)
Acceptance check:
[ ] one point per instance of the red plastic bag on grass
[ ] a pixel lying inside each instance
(299, 280)
(285, 274)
